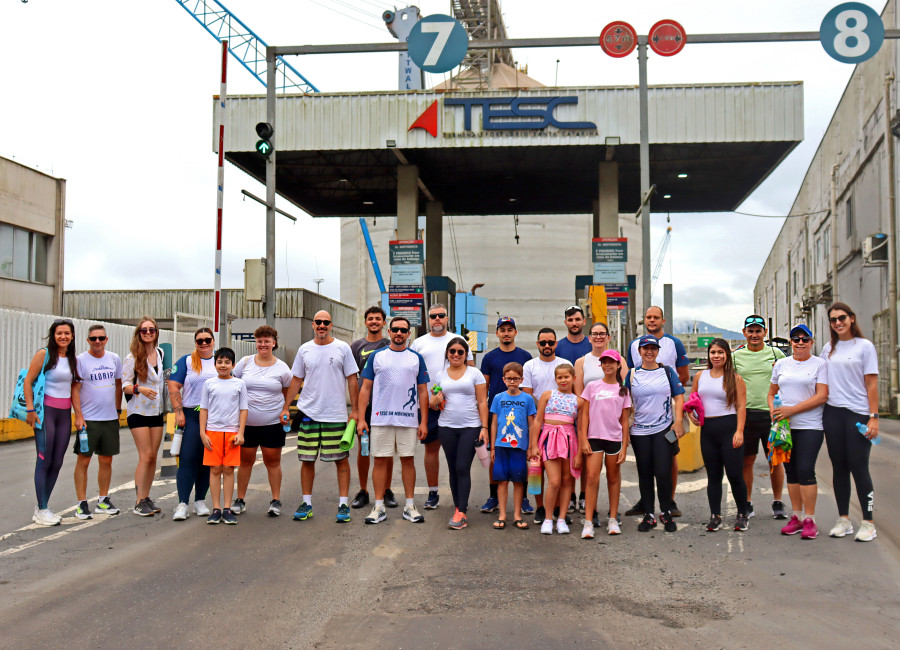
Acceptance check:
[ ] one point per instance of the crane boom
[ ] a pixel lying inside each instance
(660, 256)
(244, 45)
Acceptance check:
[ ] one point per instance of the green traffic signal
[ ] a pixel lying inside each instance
(264, 148)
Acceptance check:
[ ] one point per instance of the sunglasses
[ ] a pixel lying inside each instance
(206, 341)
(455, 353)
(574, 308)
(546, 343)
(64, 321)
(322, 321)
(800, 339)
(440, 315)
(96, 338)
(835, 319)
(755, 321)
(147, 330)
(400, 330)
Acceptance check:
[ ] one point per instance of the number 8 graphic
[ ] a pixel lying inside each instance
(851, 32)
(846, 31)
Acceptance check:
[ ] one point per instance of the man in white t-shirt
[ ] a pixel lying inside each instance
(396, 378)
(323, 366)
(97, 402)
(433, 348)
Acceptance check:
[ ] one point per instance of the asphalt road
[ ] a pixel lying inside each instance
(126, 581)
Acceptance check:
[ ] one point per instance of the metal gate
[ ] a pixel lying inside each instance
(882, 340)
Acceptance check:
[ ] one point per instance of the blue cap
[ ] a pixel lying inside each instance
(505, 320)
(802, 328)
(648, 339)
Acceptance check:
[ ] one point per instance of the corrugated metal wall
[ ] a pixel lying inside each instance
(24, 333)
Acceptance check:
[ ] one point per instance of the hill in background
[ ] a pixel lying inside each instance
(684, 326)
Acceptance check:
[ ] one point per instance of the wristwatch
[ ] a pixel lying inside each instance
(873, 416)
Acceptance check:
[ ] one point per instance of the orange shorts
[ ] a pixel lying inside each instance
(224, 451)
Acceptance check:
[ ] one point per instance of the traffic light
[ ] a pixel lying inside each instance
(264, 146)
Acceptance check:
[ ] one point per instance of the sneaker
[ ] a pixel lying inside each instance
(648, 522)
(669, 524)
(215, 517)
(376, 516)
(200, 508)
(637, 510)
(581, 503)
(304, 512)
(411, 514)
(181, 512)
(595, 519)
(155, 508)
(237, 506)
(540, 515)
(715, 523)
(810, 530)
(573, 504)
(674, 511)
(274, 508)
(431, 503)
(228, 516)
(742, 522)
(561, 527)
(547, 527)
(793, 527)
(588, 531)
(842, 528)
(750, 511)
(556, 516)
(527, 508)
(44, 517)
(612, 527)
(343, 514)
(778, 510)
(361, 499)
(458, 521)
(390, 501)
(82, 511)
(105, 507)
(490, 505)
(866, 532)
(142, 508)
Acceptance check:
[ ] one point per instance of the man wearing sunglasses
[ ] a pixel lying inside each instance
(575, 344)
(754, 362)
(97, 401)
(433, 348)
(323, 366)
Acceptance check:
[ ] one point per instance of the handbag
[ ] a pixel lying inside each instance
(19, 409)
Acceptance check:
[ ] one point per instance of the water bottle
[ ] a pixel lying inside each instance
(776, 401)
(177, 437)
(364, 443)
(534, 476)
(863, 429)
(436, 390)
(83, 441)
(482, 452)
(286, 424)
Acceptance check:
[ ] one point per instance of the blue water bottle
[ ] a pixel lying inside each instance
(863, 429)
(83, 441)
(286, 424)
(364, 443)
(776, 401)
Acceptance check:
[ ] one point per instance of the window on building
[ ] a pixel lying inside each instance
(23, 254)
(826, 244)
(818, 251)
(795, 282)
(850, 218)
(803, 279)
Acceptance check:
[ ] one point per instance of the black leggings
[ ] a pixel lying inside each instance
(849, 451)
(51, 440)
(802, 466)
(191, 474)
(459, 448)
(653, 456)
(719, 454)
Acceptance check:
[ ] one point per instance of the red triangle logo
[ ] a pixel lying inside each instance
(428, 120)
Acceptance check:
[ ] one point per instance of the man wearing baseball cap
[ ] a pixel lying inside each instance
(492, 367)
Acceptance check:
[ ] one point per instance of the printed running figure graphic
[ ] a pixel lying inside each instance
(412, 399)
(512, 440)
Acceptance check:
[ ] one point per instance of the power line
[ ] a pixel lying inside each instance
(780, 216)
(330, 8)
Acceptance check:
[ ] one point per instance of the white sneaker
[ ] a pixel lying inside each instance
(612, 527)
(200, 509)
(181, 512)
(588, 530)
(410, 513)
(376, 516)
(46, 518)
(866, 532)
(547, 527)
(55, 517)
(841, 528)
(561, 527)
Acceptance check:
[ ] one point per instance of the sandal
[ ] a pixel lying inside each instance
(500, 524)
(521, 525)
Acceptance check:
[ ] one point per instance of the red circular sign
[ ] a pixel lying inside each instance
(618, 39)
(667, 37)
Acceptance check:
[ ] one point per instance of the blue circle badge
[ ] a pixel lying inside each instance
(437, 43)
(852, 32)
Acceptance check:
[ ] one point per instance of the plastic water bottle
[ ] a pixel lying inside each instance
(364, 443)
(83, 441)
(534, 476)
(483, 454)
(863, 429)
(286, 424)
(776, 401)
(177, 437)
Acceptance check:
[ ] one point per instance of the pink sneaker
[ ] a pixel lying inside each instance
(793, 526)
(810, 530)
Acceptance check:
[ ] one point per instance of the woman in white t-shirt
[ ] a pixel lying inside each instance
(852, 401)
(460, 394)
(802, 382)
(267, 378)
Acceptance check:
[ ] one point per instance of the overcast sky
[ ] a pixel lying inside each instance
(115, 97)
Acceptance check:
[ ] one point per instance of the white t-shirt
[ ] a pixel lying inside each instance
(797, 383)
(651, 397)
(538, 375)
(434, 350)
(98, 385)
(324, 370)
(264, 384)
(847, 368)
(224, 399)
(460, 406)
(395, 376)
(192, 382)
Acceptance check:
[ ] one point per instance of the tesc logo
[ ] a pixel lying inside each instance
(427, 120)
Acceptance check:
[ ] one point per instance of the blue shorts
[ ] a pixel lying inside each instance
(510, 465)
(432, 427)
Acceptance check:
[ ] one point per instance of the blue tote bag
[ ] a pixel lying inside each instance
(18, 410)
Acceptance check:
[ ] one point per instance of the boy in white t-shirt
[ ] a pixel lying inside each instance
(223, 415)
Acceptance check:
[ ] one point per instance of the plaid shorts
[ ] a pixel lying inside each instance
(320, 439)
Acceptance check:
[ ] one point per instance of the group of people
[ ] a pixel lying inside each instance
(548, 420)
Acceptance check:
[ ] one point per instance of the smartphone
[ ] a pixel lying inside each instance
(671, 436)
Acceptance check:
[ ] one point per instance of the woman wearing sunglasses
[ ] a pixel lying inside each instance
(852, 401)
(142, 384)
(460, 395)
(189, 374)
(801, 380)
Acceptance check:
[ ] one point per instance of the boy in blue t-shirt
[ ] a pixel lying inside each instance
(514, 413)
